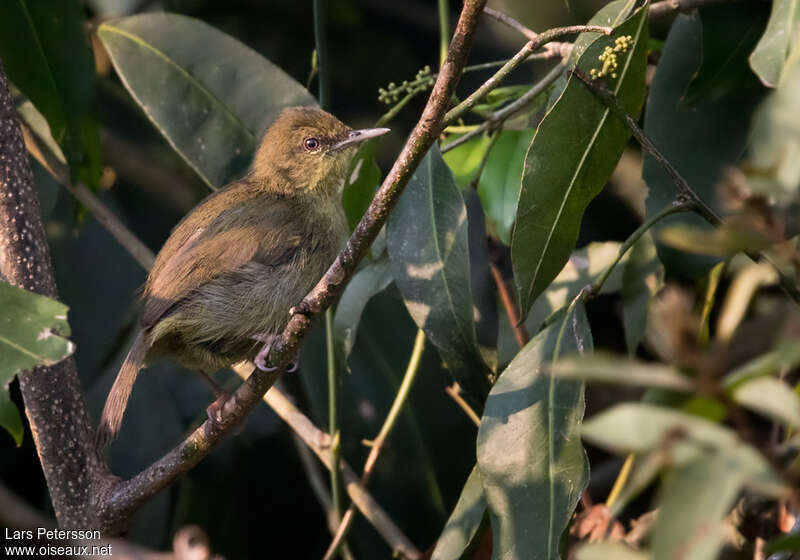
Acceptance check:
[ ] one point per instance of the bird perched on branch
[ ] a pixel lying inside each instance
(222, 285)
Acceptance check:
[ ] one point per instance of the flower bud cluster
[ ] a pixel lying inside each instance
(422, 81)
(609, 58)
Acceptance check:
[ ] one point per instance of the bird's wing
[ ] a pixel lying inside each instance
(205, 255)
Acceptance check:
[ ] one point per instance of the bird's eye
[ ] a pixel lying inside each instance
(310, 144)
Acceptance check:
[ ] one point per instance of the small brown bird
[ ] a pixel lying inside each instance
(223, 283)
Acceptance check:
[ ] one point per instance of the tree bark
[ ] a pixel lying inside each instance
(53, 399)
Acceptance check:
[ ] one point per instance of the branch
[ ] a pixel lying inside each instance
(52, 395)
(115, 505)
(516, 60)
(685, 193)
(377, 444)
(501, 115)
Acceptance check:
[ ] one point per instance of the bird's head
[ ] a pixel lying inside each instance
(307, 149)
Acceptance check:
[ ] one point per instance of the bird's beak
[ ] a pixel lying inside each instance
(358, 136)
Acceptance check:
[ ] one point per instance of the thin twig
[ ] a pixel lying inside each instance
(501, 115)
(116, 505)
(685, 193)
(464, 405)
(520, 332)
(319, 442)
(516, 60)
(377, 445)
(444, 29)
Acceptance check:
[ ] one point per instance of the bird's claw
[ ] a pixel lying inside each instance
(301, 308)
(261, 358)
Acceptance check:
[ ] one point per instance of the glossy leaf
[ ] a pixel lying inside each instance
(711, 484)
(46, 55)
(464, 523)
(464, 160)
(501, 180)
(32, 331)
(574, 151)
(699, 139)
(640, 428)
(209, 95)
(769, 57)
(368, 281)
(362, 182)
(642, 278)
(771, 397)
(427, 243)
(530, 456)
(606, 368)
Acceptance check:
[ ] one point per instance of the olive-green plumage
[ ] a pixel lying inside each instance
(231, 269)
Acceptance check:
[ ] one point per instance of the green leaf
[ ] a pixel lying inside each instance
(583, 267)
(9, 416)
(574, 151)
(464, 160)
(464, 523)
(530, 456)
(46, 55)
(640, 428)
(368, 281)
(606, 550)
(32, 331)
(362, 182)
(607, 368)
(501, 180)
(772, 167)
(642, 278)
(769, 57)
(723, 241)
(699, 139)
(790, 542)
(711, 484)
(427, 243)
(785, 357)
(770, 397)
(209, 95)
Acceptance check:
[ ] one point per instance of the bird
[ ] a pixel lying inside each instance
(222, 285)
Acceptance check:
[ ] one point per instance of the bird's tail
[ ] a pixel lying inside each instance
(117, 399)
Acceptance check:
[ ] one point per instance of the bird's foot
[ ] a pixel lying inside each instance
(301, 308)
(294, 365)
(214, 410)
(261, 358)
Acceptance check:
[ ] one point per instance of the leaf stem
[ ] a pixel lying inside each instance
(377, 444)
(673, 208)
(452, 390)
(444, 30)
(321, 41)
(622, 478)
(514, 62)
(501, 115)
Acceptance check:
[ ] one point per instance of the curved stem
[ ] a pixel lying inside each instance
(622, 478)
(674, 208)
(516, 60)
(377, 445)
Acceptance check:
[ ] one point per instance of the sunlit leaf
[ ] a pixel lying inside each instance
(530, 457)
(464, 523)
(724, 241)
(606, 550)
(770, 397)
(711, 483)
(501, 180)
(606, 368)
(32, 333)
(642, 278)
(464, 160)
(640, 428)
(45, 53)
(427, 243)
(574, 151)
(784, 357)
(209, 95)
(769, 57)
